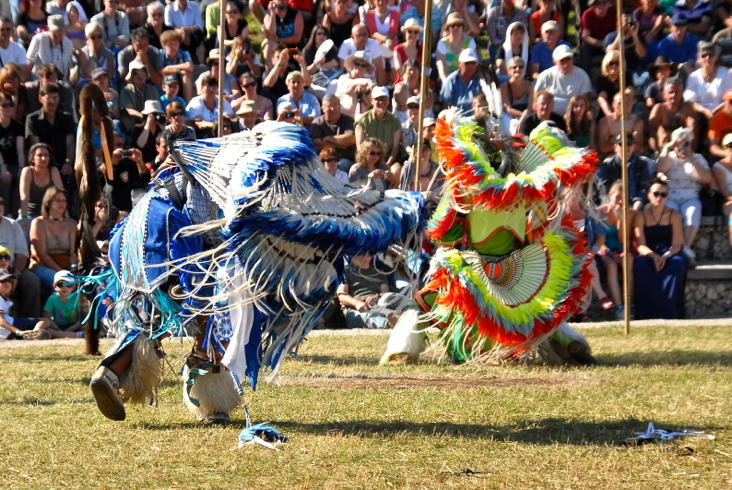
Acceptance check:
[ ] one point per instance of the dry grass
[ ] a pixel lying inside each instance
(354, 424)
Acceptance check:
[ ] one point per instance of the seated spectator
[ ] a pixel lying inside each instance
(176, 113)
(144, 134)
(242, 59)
(706, 86)
(723, 178)
(171, 87)
(679, 46)
(597, 22)
(465, 8)
(640, 171)
(176, 62)
(62, 307)
(161, 154)
(686, 173)
(54, 47)
(417, 12)
(450, 46)
(354, 87)
(10, 51)
(460, 87)
(156, 23)
(610, 126)
(133, 97)
(480, 109)
(723, 39)
(659, 271)
(248, 117)
(581, 126)
(564, 80)
(100, 78)
(381, 124)
(339, 21)
(97, 55)
(282, 25)
(411, 48)
(130, 173)
(286, 112)
(274, 79)
(541, 55)
(660, 71)
(370, 169)
(431, 178)
(140, 50)
(384, 31)
(410, 86)
(331, 160)
(335, 131)
(720, 126)
(360, 41)
(203, 110)
(116, 26)
(635, 46)
(12, 149)
(14, 255)
(12, 328)
(543, 111)
(411, 126)
(699, 15)
(652, 19)
(235, 26)
(608, 83)
(518, 96)
(49, 74)
(35, 179)
(545, 13)
(231, 86)
(32, 20)
(53, 238)
(499, 18)
(262, 105)
(11, 84)
(186, 17)
(76, 22)
(327, 58)
(673, 113)
(305, 102)
(516, 45)
(135, 12)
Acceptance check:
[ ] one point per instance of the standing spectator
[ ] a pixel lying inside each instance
(460, 87)
(203, 110)
(640, 171)
(411, 48)
(54, 47)
(660, 71)
(55, 128)
(360, 41)
(14, 256)
(330, 159)
(719, 127)
(546, 12)
(262, 105)
(635, 46)
(335, 131)
(101, 79)
(518, 96)
(381, 124)
(97, 55)
(116, 26)
(417, 12)
(10, 51)
(130, 173)
(156, 23)
(12, 149)
(499, 18)
(543, 111)
(49, 74)
(35, 179)
(564, 80)
(610, 125)
(597, 22)
(515, 45)
(608, 83)
(581, 126)
(383, 26)
(706, 86)
(699, 13)
(31, 21)
(186, 18)
(176, 62)
(282, 25)
(305, 102)
(140, 50)
(541, 55)
(133, 96)
(679, 46)
(450, 46)
(171, 86)
(354, 87)
(144, 134)
(339, 21)
(673, 113)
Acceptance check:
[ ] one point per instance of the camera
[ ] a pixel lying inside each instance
(126, 153)
(246, 49)
(160, 118)
(289, 114)
(683, 147)
(630, 21)
(293, 51)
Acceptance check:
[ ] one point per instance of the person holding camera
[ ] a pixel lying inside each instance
(289, 114)
(130, 173)
(354, 88)
(634, 44)
(288, 60)
(242, 59)
(282, 25)
(144, 133)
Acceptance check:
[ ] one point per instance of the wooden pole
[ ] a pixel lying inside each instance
(222, 64)
(425, 86)
(624, 168)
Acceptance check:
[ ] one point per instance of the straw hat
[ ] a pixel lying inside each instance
(454, 18)
(360, 55)
(136, 65)
(412, 24)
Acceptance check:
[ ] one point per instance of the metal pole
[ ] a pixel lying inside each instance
(624, 168)
(222, 64)
(425, 85)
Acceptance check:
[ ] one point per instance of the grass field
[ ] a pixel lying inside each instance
(354, 424)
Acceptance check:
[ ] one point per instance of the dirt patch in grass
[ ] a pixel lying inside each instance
(411, 383)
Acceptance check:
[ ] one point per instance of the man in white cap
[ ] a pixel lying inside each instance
(10, 51)
(462, 85)
(564, 80)
(541, 55)
(361, 41)
(381, 124)
(54, 47)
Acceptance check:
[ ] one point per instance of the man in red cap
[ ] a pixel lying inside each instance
(720, 126)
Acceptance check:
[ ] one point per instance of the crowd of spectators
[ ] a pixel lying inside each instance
(349, 72)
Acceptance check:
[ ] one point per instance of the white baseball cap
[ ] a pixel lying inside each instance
(377, 92)
(562, 51)
(550, 25)
(468, 55)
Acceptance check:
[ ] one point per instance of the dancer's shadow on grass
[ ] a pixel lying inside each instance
(652, 357)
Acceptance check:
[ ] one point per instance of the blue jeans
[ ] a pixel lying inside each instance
(367, 319)
(45, 274)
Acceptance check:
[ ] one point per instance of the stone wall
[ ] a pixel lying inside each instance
(713, 244)
(708, 298)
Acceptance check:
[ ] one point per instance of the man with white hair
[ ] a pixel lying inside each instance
(564, 80)
(54, 47)
(461, 86)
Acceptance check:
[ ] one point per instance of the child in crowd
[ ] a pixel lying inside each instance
(62, 307)
(177, 62)
(171, 88)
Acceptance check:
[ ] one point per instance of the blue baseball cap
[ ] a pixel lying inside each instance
(680, 19)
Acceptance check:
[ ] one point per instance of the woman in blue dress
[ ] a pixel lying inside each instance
(659, 271)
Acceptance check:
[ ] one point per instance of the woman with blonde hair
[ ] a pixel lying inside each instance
(581, 126)
(97, 55)
(608, 83)
(370, 169)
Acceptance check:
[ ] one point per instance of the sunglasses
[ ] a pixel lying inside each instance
(281, 7)
(707, 55)
(517, 67)
(250, 84)
(412, 106)
(176, 114)
(63, 284)
(4, 257)
(413, 31)
(360, 65)
(5, 281)
(157, 14)
(660, 194)
(331, 160)
(95, 37)
(5, 106)
(137, 73)
(362, 35)
(6, 29)
(375, 153)
(614, 63)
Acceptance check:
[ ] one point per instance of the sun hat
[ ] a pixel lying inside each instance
(414, 99)
(454, 18)
(247, 107)
(98, 72)
(412, 24)
(661, 61)
(5, 251)
(428, 121)
(359, 55)
(680, 19)
(467, 56)
(170, 79)
(56, 23)
(136, 65)
(727, 140)
(152, 107)
(213, 55)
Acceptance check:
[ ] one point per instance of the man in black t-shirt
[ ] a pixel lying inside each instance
(335, 130)
(543, 107)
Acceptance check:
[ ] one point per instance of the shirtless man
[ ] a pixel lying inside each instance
(673, 113)
(610, 125)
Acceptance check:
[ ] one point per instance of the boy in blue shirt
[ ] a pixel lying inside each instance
(171, 88)
(62, 307)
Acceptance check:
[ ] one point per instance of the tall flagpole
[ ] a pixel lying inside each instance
(222, 64)
(624, 167)
(425, 85)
